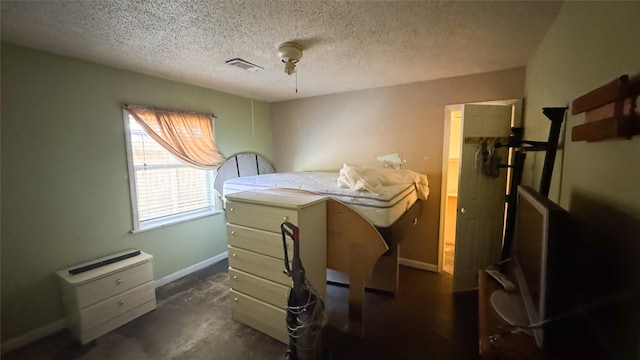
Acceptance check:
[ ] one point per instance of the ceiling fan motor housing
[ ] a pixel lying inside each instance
(290, 53)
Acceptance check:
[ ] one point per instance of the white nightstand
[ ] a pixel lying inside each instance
(102, 299)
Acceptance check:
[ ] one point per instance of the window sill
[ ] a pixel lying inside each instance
(175, 221)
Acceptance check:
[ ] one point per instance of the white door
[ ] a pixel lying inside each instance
(481, 199)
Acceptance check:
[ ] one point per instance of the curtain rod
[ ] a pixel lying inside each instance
(166, 110)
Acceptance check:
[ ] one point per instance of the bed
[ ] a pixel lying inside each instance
(364, 228)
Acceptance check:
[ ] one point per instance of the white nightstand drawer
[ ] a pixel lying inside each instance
(262, 242)
(260, 217)
(265, 290)
(114, 323)
(114, 284)
(98, 313)
(264, 266)
(260, 316)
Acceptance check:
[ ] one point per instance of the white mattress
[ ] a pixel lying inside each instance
(380, 210)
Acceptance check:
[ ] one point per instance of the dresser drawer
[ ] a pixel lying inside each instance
(103, 311)
(114, 284)
(260, 216)
(260, 316)
(263, 242)
(256, 264)
(265, 290)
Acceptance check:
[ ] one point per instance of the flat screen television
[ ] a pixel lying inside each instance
(539, 266)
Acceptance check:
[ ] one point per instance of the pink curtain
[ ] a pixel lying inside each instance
(188, 136)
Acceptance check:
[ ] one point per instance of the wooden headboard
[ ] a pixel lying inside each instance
(242, 164)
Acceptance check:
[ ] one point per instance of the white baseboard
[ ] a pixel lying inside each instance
(188, 270)
(418, 264)
(59, 325)
(33, 335)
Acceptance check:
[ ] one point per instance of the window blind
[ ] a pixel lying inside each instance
(165, 188)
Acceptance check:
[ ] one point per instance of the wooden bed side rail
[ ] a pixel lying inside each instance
(353, 247)
(346, 227)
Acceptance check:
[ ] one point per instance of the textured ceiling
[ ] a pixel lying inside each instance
(348, 45)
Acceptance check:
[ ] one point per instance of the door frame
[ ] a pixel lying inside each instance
(516, 121)
(445, 178)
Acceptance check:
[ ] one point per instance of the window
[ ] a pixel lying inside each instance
(163, 189)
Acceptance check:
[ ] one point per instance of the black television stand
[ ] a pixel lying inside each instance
(556, 116)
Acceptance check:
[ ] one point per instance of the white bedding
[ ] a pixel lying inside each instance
(382, 208)
(374, 180)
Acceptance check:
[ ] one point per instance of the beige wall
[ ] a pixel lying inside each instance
(321, 133)
(589, 45)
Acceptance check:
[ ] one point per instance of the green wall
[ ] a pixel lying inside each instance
(590, 44)
(65, 187)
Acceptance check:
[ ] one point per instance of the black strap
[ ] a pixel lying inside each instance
(103, 263)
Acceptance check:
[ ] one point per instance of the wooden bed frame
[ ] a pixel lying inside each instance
(360, 254)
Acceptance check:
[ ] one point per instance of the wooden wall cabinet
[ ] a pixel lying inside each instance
(610, 112)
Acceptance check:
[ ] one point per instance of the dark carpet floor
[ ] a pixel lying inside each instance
(193, 321)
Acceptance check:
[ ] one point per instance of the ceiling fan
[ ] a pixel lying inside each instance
(290, 53)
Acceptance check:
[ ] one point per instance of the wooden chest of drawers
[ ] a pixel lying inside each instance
(259, 288)
(100, 300)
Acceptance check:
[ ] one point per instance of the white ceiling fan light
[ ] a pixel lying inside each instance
(290, 53)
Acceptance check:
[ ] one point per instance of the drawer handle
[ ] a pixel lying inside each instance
(233, 233)
(234, 255)
(235, 299)
(235, 277)
(285, 218)
(233, 210)
(121, 302)
(119, 281)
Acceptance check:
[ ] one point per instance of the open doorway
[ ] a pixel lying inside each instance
(452, 156)
(451, 179)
